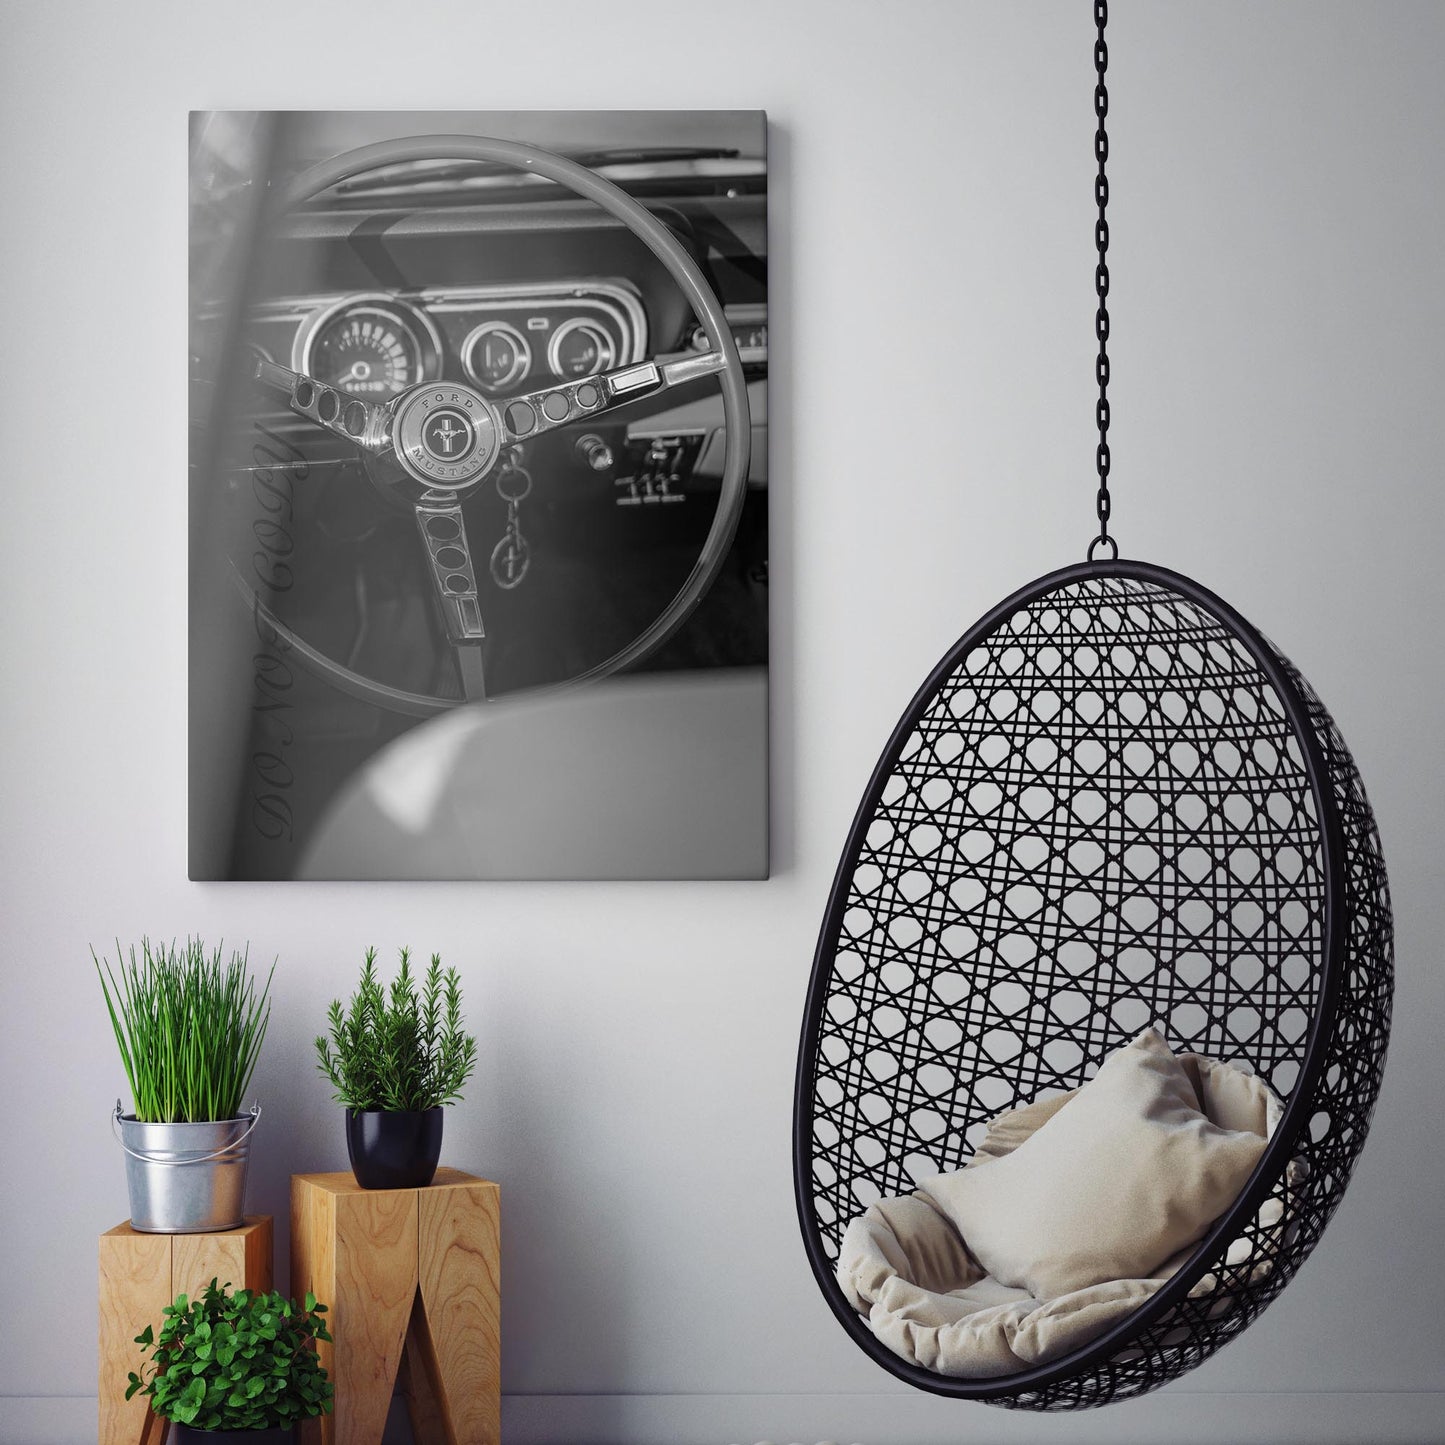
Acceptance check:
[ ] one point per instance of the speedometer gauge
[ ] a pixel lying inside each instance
(368, 347)
(366, 353)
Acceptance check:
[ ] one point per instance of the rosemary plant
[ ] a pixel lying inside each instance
(393, 1049)
(189, 1027)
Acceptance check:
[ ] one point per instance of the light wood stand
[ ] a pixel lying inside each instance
(412, 1281)
(140, 1274)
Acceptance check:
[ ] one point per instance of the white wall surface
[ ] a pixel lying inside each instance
(1279, 425)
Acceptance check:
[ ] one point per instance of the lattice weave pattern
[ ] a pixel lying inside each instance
(1101, 819)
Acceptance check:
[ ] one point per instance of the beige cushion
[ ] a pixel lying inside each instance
(1116, 1180)
(908, 1270)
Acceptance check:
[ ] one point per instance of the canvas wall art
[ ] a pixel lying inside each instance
(478, 495)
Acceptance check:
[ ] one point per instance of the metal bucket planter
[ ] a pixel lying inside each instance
(186, 1178)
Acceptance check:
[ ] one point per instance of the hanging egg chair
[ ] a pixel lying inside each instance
(1113, 804)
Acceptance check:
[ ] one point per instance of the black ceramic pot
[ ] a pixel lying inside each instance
(275, 1435)
(394, 1150)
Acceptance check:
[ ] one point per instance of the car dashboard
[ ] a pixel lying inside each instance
(509, 298)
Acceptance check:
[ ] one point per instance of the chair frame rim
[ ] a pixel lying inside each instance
(1295, 1118)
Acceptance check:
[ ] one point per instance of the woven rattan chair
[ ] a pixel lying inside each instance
(1113, 804)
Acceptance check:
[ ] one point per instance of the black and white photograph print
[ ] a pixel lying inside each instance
(478, 495)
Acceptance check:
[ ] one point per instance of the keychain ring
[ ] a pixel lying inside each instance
(514, 484)
(511, 558)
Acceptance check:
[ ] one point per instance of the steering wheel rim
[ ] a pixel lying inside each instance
(737, 427)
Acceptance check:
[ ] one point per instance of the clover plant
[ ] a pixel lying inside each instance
(242, 1361)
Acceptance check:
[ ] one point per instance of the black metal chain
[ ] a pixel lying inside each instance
(1103, 505)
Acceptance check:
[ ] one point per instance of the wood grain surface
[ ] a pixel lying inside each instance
(412, 1278)
(459, 1274)
(140, 1274)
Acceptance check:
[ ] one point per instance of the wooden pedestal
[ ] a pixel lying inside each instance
(412, 1281)
(140, 1274)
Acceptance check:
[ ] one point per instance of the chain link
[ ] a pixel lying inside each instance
(1103, 505)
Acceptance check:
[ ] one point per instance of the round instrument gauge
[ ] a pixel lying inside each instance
(579, 348)
(495, 356)
(370, 347)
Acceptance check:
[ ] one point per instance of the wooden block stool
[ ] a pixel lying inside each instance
(411, 1278)
(140, 1274)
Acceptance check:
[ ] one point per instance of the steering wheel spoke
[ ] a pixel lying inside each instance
(443, 532)
(541, 411)
(361, 422)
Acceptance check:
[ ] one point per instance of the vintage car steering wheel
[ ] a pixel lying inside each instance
(430, 445)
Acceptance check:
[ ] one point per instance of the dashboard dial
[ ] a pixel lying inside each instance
(579, 348)
(496, 356)
(370, 348)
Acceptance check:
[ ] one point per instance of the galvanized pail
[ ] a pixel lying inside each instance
(186, 1178)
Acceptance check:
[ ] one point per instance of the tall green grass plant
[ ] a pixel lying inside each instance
(189, 1027)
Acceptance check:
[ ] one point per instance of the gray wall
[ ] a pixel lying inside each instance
(1279, 308)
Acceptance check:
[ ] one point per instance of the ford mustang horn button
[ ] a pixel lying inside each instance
(446, 436)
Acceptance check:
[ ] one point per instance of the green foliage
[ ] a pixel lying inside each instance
(189, 1029)
(393, 1050)
(242, 1361)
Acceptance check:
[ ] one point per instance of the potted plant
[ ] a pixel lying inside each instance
(190, 1028)
(394, 1059)
(236, 1367)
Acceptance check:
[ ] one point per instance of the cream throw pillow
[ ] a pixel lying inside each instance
(1123, 1175)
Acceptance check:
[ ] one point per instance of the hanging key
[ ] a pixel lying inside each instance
(512, 556)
